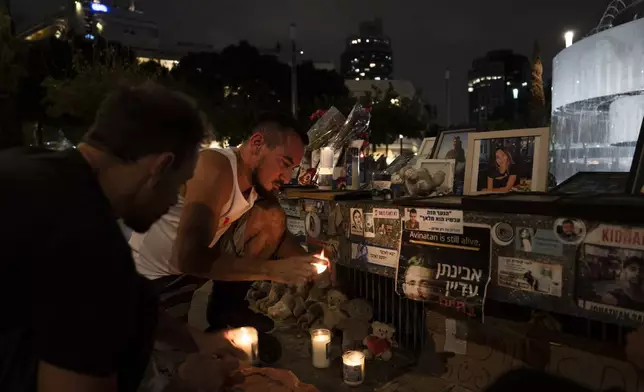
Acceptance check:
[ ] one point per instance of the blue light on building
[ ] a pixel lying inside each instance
(98, 7)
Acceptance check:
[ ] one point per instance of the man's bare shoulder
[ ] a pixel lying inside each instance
(213, 174)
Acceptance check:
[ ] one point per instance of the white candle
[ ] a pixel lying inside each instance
(320, 343)
(326, 159)
(353, 368)
(245, 339)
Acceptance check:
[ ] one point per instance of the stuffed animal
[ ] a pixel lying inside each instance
(355, 327)
(301, 293)
(283, 309)
(332, 311)
(277, 290)
(324, 314)
(380, 342)
(257, 291)
(316, 294)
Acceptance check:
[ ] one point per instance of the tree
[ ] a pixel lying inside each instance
(11, 70)
(237, 84)
(74, 101)
(393, 115)
(537, 106)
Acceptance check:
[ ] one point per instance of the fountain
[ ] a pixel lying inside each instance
(598, 101)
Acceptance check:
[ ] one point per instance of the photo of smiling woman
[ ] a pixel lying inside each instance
(505, 165)
(503, 175)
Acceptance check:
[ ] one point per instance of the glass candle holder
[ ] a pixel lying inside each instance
(320, 346)
(353, 368)
(245, 339)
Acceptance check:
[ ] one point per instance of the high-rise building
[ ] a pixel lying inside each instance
(498, 86)
(368, 55)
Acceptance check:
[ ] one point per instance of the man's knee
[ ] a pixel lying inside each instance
(268, 216)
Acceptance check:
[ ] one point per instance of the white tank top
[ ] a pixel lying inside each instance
(152, 250)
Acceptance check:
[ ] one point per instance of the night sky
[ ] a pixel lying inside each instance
(428, 36)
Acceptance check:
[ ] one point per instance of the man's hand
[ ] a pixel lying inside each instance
(206, 372)
(217, 343)
(635, 347)
(293, 270)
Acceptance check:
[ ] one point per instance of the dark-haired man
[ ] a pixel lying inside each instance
(228, 227)
(412, 223)
(76, 315)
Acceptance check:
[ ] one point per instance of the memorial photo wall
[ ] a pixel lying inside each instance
(567, 266)
(374, 237)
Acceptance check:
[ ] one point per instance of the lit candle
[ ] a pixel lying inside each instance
(322, 266)
(320, 343)
(245, 339)
(353, 368)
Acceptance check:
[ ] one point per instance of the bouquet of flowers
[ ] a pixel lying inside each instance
(333, 130)
(356, 127)
(325, 128)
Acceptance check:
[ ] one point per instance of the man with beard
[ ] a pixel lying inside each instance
(76, 315)
(228, 227)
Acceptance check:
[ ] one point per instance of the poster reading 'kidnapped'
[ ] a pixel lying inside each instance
(450, 269)
(610, 272)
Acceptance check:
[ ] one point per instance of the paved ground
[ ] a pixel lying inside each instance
(393, 376)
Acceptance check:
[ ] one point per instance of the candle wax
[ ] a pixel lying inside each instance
(319, 349)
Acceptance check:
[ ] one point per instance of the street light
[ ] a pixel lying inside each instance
(568, 36)
(515, 93)
(400, 137)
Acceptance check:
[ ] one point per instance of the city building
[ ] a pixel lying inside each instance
(368, 55)
(121, 21)
(498, 86)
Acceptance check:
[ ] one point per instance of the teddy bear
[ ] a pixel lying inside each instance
(258, 290)
(324, 314)
(277, 290)
(301, 294)
(380, 342)
(283, 309)
(355, 326)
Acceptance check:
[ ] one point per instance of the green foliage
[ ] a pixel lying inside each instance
(393, 115)
(537, 105)
(79, 97)
(11, 57)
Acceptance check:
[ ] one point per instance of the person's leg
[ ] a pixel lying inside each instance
(257, 234)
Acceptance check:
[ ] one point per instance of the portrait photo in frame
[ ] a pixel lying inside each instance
(507, 161)
(435, 167)
(635, 182)
(426, 148)
(452, 144)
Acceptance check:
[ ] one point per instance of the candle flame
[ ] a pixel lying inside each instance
(321, 267)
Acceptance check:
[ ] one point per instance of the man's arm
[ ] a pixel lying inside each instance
(54, 379)
(206, 194)
(290, 246)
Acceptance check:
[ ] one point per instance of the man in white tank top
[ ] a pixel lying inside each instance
(218, 231)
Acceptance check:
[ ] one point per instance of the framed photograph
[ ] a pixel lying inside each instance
(453, 145)
(441, 170)
(507, 161)
(426, 148)
(635, 184)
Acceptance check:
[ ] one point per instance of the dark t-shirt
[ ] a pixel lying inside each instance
(499, 180)
(69, 291)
